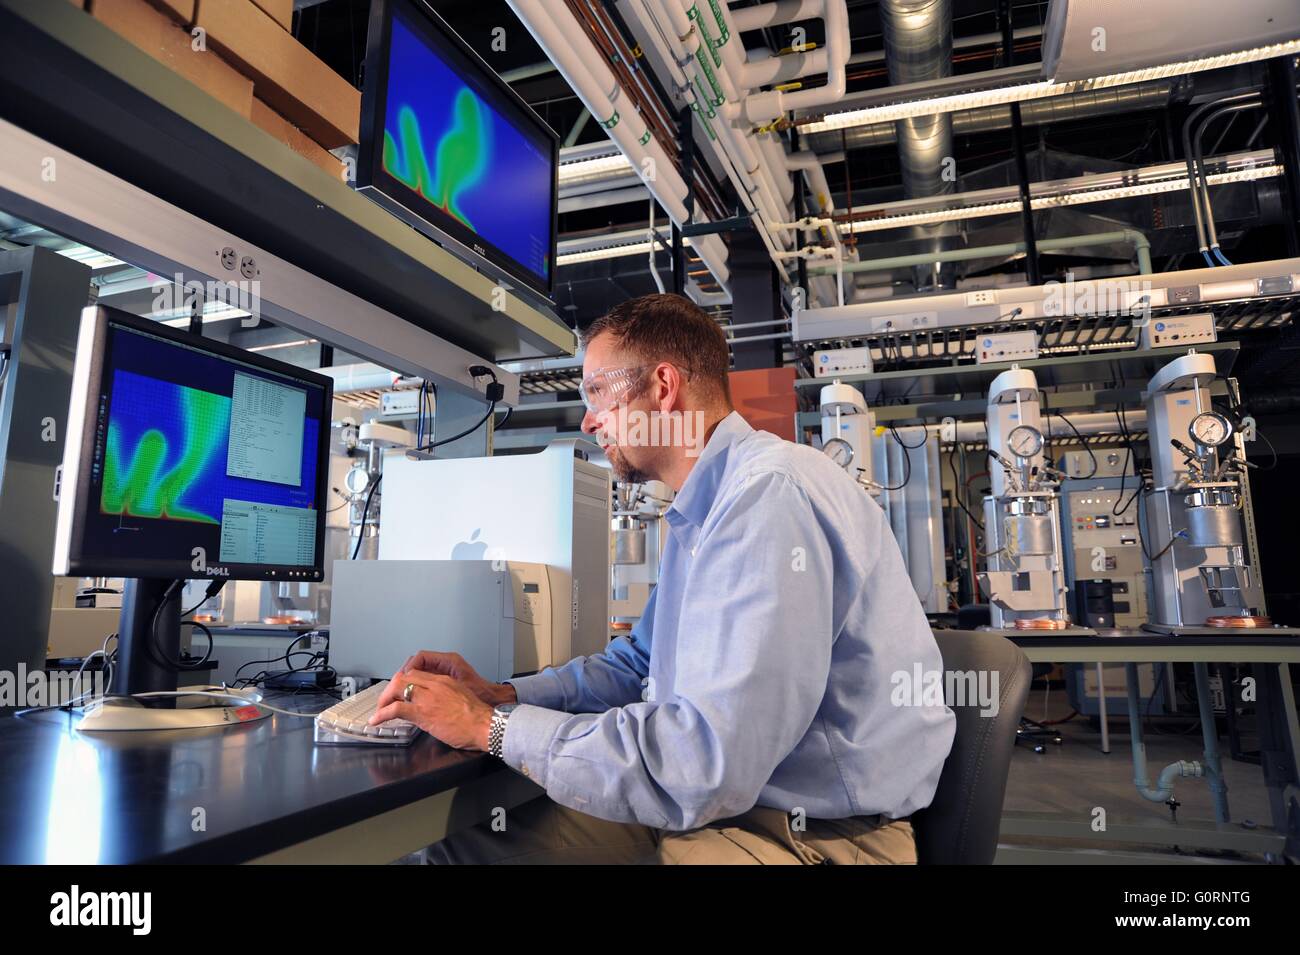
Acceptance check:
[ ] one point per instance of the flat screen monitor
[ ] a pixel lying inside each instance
(452, 149)
(190, 458)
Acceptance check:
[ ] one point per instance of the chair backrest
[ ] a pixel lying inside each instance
(960, 826)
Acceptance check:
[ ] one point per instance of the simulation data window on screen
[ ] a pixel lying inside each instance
(266, 423)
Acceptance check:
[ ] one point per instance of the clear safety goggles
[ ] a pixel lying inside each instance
(604, 388)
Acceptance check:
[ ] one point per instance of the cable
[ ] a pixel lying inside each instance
(492, 407)
(1129, 455)
(1084, 444)
(1272, 450)
(365, 515)
(958, 495)
(907, 458)
(211, 645)
(214, 588)
(211, 694)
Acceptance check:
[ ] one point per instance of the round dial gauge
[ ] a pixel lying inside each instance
(1025, 441)
(839, 451)
(357, 480)
(1210, 429)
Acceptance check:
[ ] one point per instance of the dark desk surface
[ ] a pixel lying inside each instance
(67, 797)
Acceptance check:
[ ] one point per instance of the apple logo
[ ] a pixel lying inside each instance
(472, 549)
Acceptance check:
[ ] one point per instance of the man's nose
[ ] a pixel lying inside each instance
(590, 425)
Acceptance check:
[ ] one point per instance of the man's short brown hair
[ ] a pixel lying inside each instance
(673, 329)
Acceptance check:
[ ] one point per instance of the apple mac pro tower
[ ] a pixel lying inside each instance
(552, 508)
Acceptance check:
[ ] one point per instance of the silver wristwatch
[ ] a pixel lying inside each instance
(497, 731)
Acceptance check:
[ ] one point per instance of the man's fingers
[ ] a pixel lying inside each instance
(396, 710)
(432, 661)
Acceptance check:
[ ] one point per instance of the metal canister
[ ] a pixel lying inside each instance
(628, 535)
(1030, 534)
(1213, 525)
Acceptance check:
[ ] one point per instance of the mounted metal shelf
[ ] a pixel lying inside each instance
(1132, 367)
(79, 86)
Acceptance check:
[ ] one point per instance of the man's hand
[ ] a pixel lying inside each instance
(454, 666)
(442, 706)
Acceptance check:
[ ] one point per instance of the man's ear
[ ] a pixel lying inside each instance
(668, 384)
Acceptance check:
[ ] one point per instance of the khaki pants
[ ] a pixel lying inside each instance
(543, 832)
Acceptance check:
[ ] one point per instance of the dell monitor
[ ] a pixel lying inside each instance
(450, 148)
(186, 458)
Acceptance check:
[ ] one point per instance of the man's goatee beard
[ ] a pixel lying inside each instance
(623, 470)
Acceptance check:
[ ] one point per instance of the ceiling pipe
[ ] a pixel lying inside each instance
(556, 31)
(763, 108)
(749, 174)
(918, 47)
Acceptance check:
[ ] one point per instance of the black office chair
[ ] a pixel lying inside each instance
(961, 824)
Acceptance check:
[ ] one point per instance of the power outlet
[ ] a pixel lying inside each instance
(983, 297)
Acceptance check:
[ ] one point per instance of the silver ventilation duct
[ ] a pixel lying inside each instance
(918, 47)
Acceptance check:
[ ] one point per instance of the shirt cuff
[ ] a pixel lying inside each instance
(530, 730)
(540, 689)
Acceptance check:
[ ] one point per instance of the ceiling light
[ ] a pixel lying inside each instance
(212, 312)
(1039, 90)
(1077, 198)
(599, 166)
(608, 252)
(90, 257)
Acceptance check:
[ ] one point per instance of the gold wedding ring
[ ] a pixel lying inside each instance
(408, 693)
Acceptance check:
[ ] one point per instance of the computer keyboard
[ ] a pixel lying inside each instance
(346, 722)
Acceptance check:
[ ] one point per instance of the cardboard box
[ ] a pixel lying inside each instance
(270, 121)
(181, 11)
(281, 11)
(169, 43)
(765, 398)
(285, 74)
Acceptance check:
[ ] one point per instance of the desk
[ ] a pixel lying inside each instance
(1272, 656)
(263, 791)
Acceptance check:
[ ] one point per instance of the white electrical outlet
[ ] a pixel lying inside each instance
(986, 296)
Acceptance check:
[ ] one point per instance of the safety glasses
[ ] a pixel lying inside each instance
(604, 388)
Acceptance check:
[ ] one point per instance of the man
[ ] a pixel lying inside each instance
(748, 716)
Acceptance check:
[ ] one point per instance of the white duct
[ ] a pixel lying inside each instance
(1087, 38)
(554, 28)
(774, 14)
(763, 108)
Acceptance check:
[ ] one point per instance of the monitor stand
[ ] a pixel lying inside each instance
(140, 668)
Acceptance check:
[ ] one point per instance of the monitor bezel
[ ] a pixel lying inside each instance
(405, 202)
(88, 375)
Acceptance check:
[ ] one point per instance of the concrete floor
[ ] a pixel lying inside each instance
(1077, 776)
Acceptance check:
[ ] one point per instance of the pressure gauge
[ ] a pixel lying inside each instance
(1025, 441)
(1210, 429)
(357, 480)
(839, 451)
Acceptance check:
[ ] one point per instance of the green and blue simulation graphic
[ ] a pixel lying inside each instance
(442, 141)
(165, 455)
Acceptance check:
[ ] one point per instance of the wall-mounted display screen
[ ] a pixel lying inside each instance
(447, 144)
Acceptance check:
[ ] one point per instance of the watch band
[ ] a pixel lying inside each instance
(497, 733)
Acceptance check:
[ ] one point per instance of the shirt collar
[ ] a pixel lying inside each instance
(695, 499)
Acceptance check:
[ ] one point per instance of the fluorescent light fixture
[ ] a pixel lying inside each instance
(1082, 197)
(602, 166)
(1040, 89)
(212, 312)
(609, 252)
(296, 343)
(90, 257)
